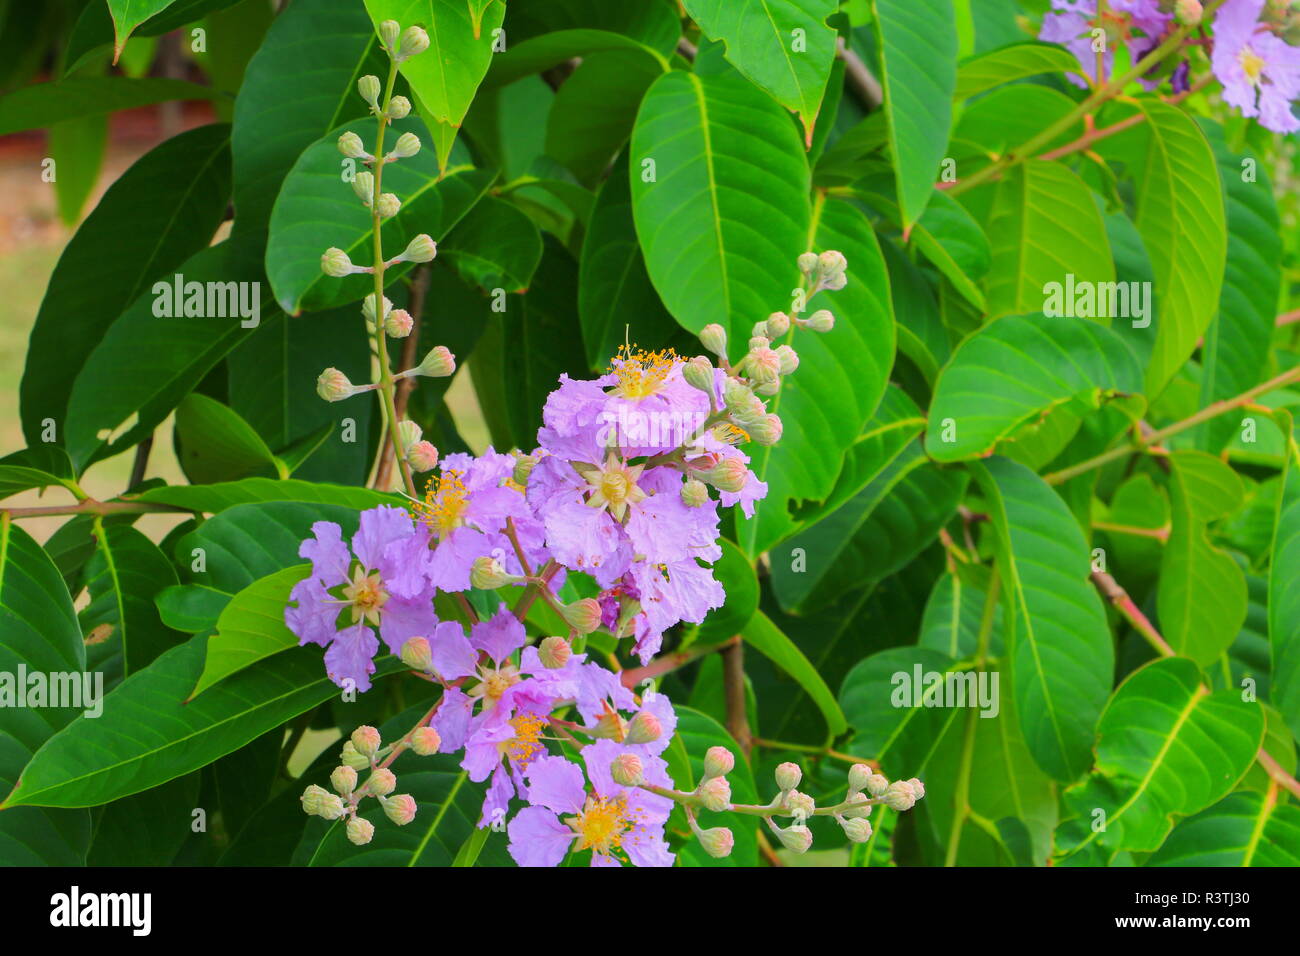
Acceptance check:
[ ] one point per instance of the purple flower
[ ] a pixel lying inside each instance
(1259, 71)
(1071, 22)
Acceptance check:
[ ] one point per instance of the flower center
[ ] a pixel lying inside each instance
(526, 743)
(1252, 63)
(640, 373)
(494, 683)
(444, 505)
(614, 486)
(366, 594)
(601, 824)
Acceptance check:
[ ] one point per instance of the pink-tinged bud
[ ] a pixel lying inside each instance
(360, 831)
(369, 88)
(407, 145)
(694, 493)
(626, 770)
(426, 742)
(1189, 12)
(717, 842)
(352, 758)
(422, 456)
(739, 399)
(714, 338)
(414, 42)
(399, 107)
(729, 474)
(808, 263)
(335, 262)
(417, 655)
(777, 325)
(408, 432)
(718, 762)
(835, 282)
(788, 358)
(610, 726)
(768, 389)
(832, 262)
(766, 430)
(788, 776)
(388, 206)
(715, 794)
(856, 829)
(313, 798)
(399, 323)
(760, 341)
(400, 808)
(524, 465)
(439, 363)
(350, 145)
(488, 574)
(554, 652)
(698, 373)
(333, 386)
(859, 774)
(363, 184)
(389, 32)
(764, 364)
(820, 321)
(797, 838)
(644, 728)
(583, 615)
(331, 807)
(877, 785)
(860, 808)
(800, 803)
(366, 740)
(918, 787)
(368, 309)
(900, 796)
(382, 782)
(420, 249)
(343, 780)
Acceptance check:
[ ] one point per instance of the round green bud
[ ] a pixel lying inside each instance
(717, 842)
(420, 249)
(488, 574)
(821, 321)
(626, 770)
(408, 432)
(729, 474)
(764, 365)
(917, 786)
(524, 465)
(399, 323)
(718, 762)
(368, 309)
(389, 32)
(360, 831)
(694, 493)
(366, 740)
(426, 742)
(382, 782)
(352, 758)
(758, 340)
(644, 728)
(333, 386)
(856, 829)
(800, 803)
(439, 363)
(714, 338)
(698, 373)
(335, 262)
(861, 807)
(399, 107)
(554, 652)
(797, 838)
(808, 263)
(417, 654)
(388, 205)
(313, 799)
(877, 785)
(858, 776)
(343, 780)
(414, 42)
(350, 145)
(777, 325)
(1189, 12)
(767, 430)
(331, 807)
(832, 262)
(788, 357)
(715, 794)
(582, 615)
(369, 88)
(422, 456)
(400, 808)
(788, 776)
(900, 796)
(407, 145)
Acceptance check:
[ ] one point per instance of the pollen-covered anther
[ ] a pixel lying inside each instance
(601, 824)
(639, 373)
(445, 503)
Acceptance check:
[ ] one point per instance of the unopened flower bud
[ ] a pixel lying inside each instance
(333, 386)
(698, 373)
(417, 654)
(369, 88)
(331, 807)
(900, 796)
(714, 338)
(626, 770)
(399, 808)
(717, 842)
(760, 341)
(834, 283)
(422, 456)
(335, 262)
(797, 838)
(426, 742)
(644, 728)
(388, 206)
(788, 776)
(389, 32)
(1189, 12)
(399, 323)
(729, 474)
(524, 465)
(399, 107)
(407, 145)
(368, 309)
(789, 359)
(351, 757)
(821, 321)
(313, 799)
(718, 762)
(554, 652)
(439, 363)
(859, 773)
(715, 793)
(808, 262)
(739, 398)
(856, 829)
(366, 740)
(350, 145)
(610, 725)
(777, 325)
(918, 787)
(768, 389)
(488, 574)
(360, 831)
(861, 806)
(582, 615)
(408, 432)
(766, 430)
(800, 804)
(694, 493)
(420, 249)
(832, 262)
(382, 782)
(414, 42)
(363, 184)
(764, 365)
(343, 780)
(877, 784)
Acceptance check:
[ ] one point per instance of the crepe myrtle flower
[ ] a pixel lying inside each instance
(1260, 71)
(1071, 22)
(349, 594)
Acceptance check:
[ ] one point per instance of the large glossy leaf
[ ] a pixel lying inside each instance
(784, 46)
(1243, 829)
(1283, 595)
(173, 199)
(918, 54)
(1043, 227)
(825, 413)
(592, 116)
(94, 28)
(768, 639)
(720, 199)
(1058, 642)
(129, 14)
(40, 466)
(43, 104)
(218, 497)
(1166, 748)
(148, 734)
(38, 632)
(216, 444)
(955, 611)
(1016, 370)
(495, 246)
(696, 733)
(1010, 63)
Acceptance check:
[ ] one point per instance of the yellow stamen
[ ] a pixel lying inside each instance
(640, 373)
(526, 744)
(366, 594)
(601, 824)
(445, 501)
(614, 486)
(1252, 63)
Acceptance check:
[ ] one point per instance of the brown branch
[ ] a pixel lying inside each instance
(733, 681)
(90, 506)
(410, 347)
(859, 77)
(668, 663)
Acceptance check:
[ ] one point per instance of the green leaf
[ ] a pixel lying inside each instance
(953, 241)
(94, 28)
(37, 467)
(191, 607)
(494, 246)
(918, 55)
(768, 640)
(76, 148)
(1166, 747)
(1043, 227)
(1058, 642)
(696, 733)
(1283, 595)
(129, 14)
(216, 444)
(783, 46)
(146, 829)
(123, 577)
(148, 734)
(211, 499)
(445, 76)
(1010, 63)
(740, 583)
(824, 413)
(43, 104)
(1017, 369)
(1243, 829)
(593, 113)
(1180, 215)
(549, 49)
(251, 627)
(173, 198)
(712, 156)
(317, 209)
(955, 610)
